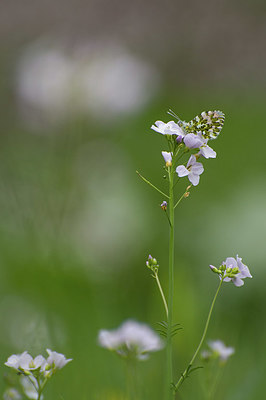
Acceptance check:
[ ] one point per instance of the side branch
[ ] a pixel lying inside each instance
(153, 186)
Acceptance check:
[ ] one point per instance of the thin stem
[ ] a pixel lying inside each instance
(183, 195)
(184, 374)
(170, 393)
(162, 293)
(153, 186)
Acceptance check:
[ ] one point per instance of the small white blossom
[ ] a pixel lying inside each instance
(193, 141)
(231, 263)
(193, 170)
(131, 339)
(219, 348)
(56, 360)
(11, 394)
(169, 128)
(18, 361)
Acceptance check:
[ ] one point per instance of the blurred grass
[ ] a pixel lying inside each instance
(56, 293)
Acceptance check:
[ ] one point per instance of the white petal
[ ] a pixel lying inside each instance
(207, 152)
(197, 169)
(194, 179)
(182, 171)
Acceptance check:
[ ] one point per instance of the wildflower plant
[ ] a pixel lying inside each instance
(34, 372)
(186, 145)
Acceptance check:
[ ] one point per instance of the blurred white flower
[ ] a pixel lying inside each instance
(11, 394)
(29, 386)
(55, 82)
(131, 339)
(217, 350)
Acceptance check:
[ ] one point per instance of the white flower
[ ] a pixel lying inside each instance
(219, 348)
(193, 141)
(192, 171)
(56, 360)
(18, 361)
(231, 263)
(12, 394)
(131, 339)
(169, 128)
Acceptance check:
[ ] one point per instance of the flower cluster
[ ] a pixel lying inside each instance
(217, 350)
(131, 340)
(36, 371)
(232, 269)
(152, 264)
(191, 135)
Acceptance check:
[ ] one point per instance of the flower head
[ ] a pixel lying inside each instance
(193, 170)
(193, 141)
(232, 269)
(169, 128)
(217, 349)
(19, 361)
(131, 339)
(36, 371)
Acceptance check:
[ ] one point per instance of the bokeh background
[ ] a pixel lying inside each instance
(81, 83)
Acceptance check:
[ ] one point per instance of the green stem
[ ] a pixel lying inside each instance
(169, 375)
(184, 374)
(153, 186)
(178, 201)
(162, 293)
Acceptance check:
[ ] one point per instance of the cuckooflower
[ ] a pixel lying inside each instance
(169, 128)
(232, 270)
(19, 361)
(193, 141)
(131, 339)
(219, 349)
(193, 170)
(56, 360)
(231, 263)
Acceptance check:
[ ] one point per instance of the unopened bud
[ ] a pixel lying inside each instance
(164, 205)
(152, 264)
(223, 267)
(235, 270)
(214, 269)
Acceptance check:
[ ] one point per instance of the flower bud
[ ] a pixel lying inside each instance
(164, 205)
(214, 269)
(152, 264)
(235, 270)
(222, 267)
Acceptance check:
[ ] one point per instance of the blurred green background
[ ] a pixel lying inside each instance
(80, 85)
